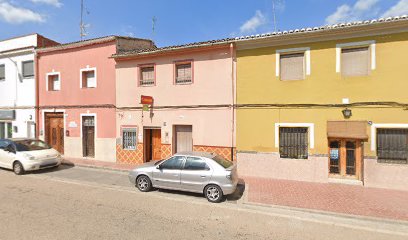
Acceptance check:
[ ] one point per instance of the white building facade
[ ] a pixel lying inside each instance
(18, 85)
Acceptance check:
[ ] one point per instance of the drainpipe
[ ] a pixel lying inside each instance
(233, 100)
(37, 93)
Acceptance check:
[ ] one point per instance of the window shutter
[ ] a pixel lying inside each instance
(56, 83)
(2, 72)
(28, 69)
(292, 66)
(355, 61)
(90, 79)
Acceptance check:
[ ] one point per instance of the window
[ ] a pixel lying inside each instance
(392, 145)
(355, 61)
(88, 78)
(355, 58)
(175, 162)
(28, 69)
(146, 77)
(293, 142)
(2, 72)
(223, 162)
(292, 66)
(129, 137)
(54, 82)
(184, 73)
(197, 164)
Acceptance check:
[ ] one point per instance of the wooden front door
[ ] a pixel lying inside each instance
(152, 144)
(346, 158)
(156, 144)
(54, 131)
(88, 136)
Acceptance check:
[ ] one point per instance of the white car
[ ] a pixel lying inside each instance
(23, 155)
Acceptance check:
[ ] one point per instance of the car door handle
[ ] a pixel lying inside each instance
(203, 176)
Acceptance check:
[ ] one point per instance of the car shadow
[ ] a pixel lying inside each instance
(235, 196)
(61, 167)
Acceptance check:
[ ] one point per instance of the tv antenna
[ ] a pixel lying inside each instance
(274, 14)
(154, 20)
(82, 25)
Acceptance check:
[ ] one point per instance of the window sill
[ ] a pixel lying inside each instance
(388, 161)
(187, 83)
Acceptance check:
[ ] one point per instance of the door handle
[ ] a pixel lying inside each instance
(203, 176)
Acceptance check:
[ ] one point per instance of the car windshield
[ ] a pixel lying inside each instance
(223, 162)
(31, 145)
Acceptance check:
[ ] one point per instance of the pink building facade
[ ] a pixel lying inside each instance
(192, 88)
(76, 88)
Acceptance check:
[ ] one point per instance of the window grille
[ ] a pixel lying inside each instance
(146, 76)
(129, 136)
(183, 73)
(392, 145)
(293, 142)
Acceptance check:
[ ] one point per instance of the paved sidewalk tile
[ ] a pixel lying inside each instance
(98, 164)
(339, 198)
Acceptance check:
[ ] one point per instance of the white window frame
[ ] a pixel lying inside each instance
(137, 140)
(371, 44)
(87, 69)
(53, 74)
(310, 126)
(306, 50)
(89, 115)
(374, 127)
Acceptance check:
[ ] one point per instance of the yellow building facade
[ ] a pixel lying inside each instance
(297, 90)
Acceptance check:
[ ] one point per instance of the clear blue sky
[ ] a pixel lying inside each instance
(182, 21)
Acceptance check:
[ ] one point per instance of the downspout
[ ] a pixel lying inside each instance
(37, 93)
(233, 100)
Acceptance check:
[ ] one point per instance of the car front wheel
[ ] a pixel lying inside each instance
(143, 183)
(18, 168)
(213, 193)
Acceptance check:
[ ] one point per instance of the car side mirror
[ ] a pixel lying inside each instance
(159, 167)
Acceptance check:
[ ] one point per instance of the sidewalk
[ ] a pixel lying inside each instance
(330, 197)
(98, 164)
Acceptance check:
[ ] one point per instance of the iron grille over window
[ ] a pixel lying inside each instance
(392, 145)
(129, 138)
(293, 142)
(146, 76)
(183, 73)
(28, 69)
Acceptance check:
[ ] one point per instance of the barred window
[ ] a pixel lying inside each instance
(293, 142)
(147, 76)
(129, 136)
(184, 73)
(392, 145)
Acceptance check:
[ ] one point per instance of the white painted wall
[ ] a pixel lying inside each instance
(17, 92)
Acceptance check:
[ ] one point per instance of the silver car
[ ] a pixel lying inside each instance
(199, 172)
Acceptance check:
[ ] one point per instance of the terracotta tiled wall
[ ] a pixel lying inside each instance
(222, 151)
(166, 151)
(129, 156)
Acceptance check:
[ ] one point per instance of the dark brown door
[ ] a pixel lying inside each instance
(54, 131)
(345, 158)
(88, 136)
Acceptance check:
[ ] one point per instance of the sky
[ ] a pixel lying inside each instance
(182, 21)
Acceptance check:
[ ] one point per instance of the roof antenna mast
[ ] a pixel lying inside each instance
(274, 14)
(82, 25)
(154, 20)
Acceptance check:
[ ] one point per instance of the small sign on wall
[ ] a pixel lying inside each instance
(72, 124)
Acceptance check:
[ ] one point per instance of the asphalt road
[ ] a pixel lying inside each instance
(79, 203)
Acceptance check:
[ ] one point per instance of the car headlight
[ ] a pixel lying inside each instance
(29, 157)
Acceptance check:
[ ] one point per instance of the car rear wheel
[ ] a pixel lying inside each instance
(143, 183)
(18, 168)
(213, 193)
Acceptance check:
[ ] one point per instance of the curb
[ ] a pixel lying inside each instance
(94, 167)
